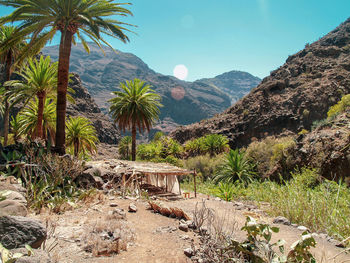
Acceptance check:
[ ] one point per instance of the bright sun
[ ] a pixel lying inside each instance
(181, 72)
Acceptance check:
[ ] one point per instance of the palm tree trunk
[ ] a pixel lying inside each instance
(7, 105)
(133, 143)
(39, 125)
(76, 148)
(63, 75)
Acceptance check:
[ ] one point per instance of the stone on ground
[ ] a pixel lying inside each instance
(132, 208)
(12, 208)
(16, 231)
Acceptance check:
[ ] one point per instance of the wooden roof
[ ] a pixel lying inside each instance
(149, 168)
(145, 168)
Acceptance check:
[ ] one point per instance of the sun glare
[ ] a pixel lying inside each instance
(181, 72)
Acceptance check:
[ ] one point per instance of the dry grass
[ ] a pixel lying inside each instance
(108, 236)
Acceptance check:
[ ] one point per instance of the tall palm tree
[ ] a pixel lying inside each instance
(136, 106)
(81, 135)
(10, 50)
(74, 19)
(40, 80)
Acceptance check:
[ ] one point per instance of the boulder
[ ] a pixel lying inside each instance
(16, 231)
(14, 196)
(12, 208)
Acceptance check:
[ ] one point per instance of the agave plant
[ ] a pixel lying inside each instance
(235, 168)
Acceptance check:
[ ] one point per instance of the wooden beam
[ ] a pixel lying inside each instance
(178, 181)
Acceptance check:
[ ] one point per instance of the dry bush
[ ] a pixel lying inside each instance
(108, 236)
(216, 232)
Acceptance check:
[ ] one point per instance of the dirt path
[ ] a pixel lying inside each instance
(157, 238)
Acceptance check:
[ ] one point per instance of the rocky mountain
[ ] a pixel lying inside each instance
(236, 84)
(291, 98)
(86, 106)
(184, 102)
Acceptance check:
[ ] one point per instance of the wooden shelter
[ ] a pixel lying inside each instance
(147, 173)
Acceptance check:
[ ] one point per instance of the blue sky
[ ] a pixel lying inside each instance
(210, 37)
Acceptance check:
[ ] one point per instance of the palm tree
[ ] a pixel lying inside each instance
(215, 144)
(235, 168)
(28, 118)
(124, 147)
(81, 135)
(74, 19)
(40, 80)
(136, 106)
(10, 50)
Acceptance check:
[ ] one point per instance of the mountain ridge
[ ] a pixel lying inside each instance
(290, 99)
(184, 102)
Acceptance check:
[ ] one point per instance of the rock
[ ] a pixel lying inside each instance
(294, 225)
(113, 204)
(39, 256)
(183, 227)
(217, 199)
(303, 228)
(14, 196)
(185, 237)
(16, 231)
(119, 212)
(12, 208)
(281, 220)
(4, 185)
(132, 208)
(188, 252)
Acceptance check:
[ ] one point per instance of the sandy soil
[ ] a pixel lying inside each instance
(153, 242)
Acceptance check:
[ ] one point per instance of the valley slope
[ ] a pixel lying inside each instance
(291, 98)
(184, 102)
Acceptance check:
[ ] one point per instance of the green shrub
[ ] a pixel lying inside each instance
(195, 147)
(225, 191)
(204, 165)
(235, 168)
(157, 136)
(270, 151)
(340, 107)
(320, 123)
(149, 151)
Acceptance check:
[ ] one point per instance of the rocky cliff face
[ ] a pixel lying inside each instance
(236, 84)
(184, 102)
(85, 106)
(291, 98)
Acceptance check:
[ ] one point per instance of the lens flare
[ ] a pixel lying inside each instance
(180, 72)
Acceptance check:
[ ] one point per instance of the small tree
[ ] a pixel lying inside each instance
(135, 106)
(235, 168)
(124, 147)
(81, 135)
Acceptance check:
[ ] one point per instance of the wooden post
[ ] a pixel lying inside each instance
(178, 181)
(166, 183)
(124, 191)
(194, 181)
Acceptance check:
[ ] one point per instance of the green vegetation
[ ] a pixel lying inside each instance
(124, 148)
(212, 144)
(319, 204)
(340, 107)
(40, 81)
(74, 20)
(235, 168)
(81, 136)
(135, 106)
(269, 152)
